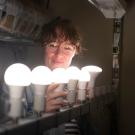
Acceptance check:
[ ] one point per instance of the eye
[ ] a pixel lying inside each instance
(69, 47)
(52, 45)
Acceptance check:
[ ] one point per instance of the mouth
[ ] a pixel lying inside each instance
(58, 64)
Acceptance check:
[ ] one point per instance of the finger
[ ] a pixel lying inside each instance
(56, 95)
(54, 104)
(52, 87)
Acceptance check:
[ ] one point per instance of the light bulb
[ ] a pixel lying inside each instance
(84, 78)
(41, 75)
(41, 78)
(16, 77)
(73, 75)
(94, 72)
(60, 77)
(17, 74)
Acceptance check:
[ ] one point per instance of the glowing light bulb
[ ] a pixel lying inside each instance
(84, 78)
(16, 77)
(41, 78)
(73, 75)
(60, 77)
(94, 72)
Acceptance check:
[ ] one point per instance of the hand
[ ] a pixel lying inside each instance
(53, 100)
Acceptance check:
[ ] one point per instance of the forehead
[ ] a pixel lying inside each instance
(61, 42)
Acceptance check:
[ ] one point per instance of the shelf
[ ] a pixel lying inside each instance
(12, 38)
(37, 125)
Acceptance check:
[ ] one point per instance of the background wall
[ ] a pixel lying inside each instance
(127, 81)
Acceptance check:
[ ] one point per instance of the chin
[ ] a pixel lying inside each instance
(58, 66)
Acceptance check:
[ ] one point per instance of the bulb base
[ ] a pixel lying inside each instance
(39, 98)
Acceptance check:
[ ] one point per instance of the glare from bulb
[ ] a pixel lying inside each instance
(73, 75)
(41, 78)
(84, 76)
(73, 72)
(18, 74)
(16, 77)
(59, 75)
(92, 68)
(94, 72)
(41, 75)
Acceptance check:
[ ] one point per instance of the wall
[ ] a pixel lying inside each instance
(127, 87)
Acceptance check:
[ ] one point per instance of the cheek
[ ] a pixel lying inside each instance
(47, 56)
(68, 59)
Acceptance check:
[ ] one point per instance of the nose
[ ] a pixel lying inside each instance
(59, 51)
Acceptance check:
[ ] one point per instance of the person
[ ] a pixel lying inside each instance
(62, 42)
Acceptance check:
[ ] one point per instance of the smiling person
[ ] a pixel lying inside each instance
(61, 42)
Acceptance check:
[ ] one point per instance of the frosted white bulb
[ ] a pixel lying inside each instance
(16, 77)
(73, 72)
(83, 79)
(41, 78)
(59, 75)
(41, 75)
(92, 68)
(84, 76)
(94, 72)
(18, 74)
(73, 75)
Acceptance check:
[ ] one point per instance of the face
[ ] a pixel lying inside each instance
(59, 54)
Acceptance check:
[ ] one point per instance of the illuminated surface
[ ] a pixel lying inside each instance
(41, 75)
(84, 78)
(18, 75)
(41, 78)
(59, 75)
(73, 74)
(94, 72)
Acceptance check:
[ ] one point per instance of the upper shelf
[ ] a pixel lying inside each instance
(21, 20)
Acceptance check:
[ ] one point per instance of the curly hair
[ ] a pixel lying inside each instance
(60, 30)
